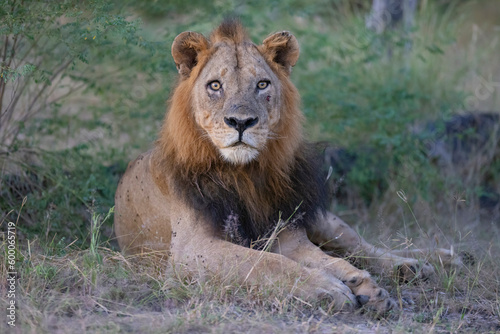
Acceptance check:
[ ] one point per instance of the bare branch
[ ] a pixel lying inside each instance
(2, 80)
(30, 111)
(56, 73)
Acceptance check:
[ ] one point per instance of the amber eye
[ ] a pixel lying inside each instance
(215, 85)
(263, 84)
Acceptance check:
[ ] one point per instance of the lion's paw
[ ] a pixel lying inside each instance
(338, 299)
(324, 288)
(379, 301)
(449, 258)
(369, 294)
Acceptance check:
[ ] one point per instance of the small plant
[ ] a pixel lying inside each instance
(96, 223)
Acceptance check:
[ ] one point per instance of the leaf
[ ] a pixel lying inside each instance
(434, 49)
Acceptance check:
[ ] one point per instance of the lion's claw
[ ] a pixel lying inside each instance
(362, 299)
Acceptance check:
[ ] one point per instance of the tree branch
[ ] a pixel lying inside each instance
(2, 79)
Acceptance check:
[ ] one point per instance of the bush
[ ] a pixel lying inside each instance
(75, 78)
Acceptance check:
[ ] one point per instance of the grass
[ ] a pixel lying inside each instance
(65, 289)
(71, 276)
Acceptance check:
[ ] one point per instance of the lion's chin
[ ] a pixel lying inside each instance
(240, 154)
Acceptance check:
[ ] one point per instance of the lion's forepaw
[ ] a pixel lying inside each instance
(342, 300)
(324, 288)
(369, 294)
(377, 300)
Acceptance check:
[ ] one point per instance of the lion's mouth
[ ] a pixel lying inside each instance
(241, 144)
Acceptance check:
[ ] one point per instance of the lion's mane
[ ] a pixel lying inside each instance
(285, 176)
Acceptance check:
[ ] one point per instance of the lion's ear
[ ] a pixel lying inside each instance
(185, 50)
(281, 48)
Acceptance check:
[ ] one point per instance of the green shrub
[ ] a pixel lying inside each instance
(76, 77)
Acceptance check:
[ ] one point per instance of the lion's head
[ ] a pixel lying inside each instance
(232, 138)
(237, 96)
(239, 93)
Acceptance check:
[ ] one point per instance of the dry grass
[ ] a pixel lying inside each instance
(100, 290)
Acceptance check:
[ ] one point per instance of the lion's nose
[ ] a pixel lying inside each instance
(241, 124)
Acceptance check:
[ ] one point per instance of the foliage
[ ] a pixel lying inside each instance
(62, 113)
(84, 89)
(46, 46)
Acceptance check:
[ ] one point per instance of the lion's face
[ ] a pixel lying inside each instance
(236, 93)
(236, 101)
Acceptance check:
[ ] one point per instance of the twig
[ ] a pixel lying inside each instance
(2, 80)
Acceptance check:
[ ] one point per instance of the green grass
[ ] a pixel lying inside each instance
(69, 157)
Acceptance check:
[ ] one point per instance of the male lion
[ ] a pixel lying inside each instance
(230, 164)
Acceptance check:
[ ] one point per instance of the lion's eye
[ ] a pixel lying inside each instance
(263, 84)
(215, 85)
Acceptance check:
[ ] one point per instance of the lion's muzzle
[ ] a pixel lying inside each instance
(241, 124)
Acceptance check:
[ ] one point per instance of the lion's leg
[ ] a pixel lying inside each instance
(447, 257)
(294, 244)
(196, 248)
(331, 233)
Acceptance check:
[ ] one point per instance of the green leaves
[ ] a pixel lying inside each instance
(8, 73)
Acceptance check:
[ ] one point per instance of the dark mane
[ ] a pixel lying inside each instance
(219, 195)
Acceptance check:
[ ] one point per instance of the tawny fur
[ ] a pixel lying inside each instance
(186, 200)
(183, 150)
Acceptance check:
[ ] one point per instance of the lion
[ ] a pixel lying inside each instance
(232, 186)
